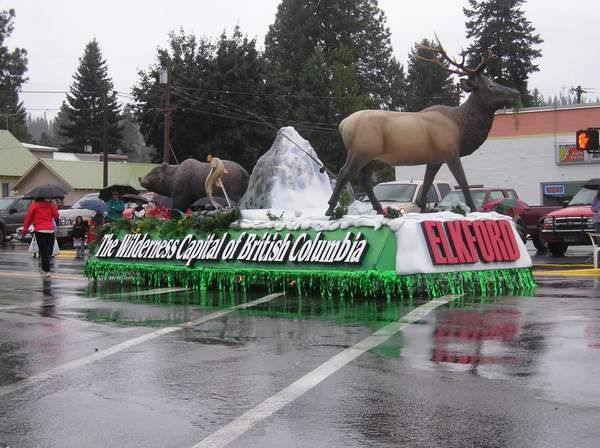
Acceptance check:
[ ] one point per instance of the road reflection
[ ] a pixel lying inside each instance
(461, 336)
(48, 307)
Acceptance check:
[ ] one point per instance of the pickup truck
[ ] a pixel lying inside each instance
(528, 222)
(12, 214)
(403, 194)
(569, 226)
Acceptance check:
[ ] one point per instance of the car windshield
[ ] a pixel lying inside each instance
(455, 196)
(394, 192)
(5, 203)
(583, 197)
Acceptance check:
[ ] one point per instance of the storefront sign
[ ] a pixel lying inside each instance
(568, 154)
(554, 190)
(468, 242)
(246, 247)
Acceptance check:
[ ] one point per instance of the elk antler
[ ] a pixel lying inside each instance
(445, 61)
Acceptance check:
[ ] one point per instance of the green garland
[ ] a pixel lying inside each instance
(363, 284)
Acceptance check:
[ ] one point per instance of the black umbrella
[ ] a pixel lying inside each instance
(204, 203)
(593, 184)
(48, 191)
(106, 193)
(134, 198)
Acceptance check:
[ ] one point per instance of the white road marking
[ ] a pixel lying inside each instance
(88, 299)
(59, 370)
(10, 307)
(233, 430)
(148, 292)
(55, 276)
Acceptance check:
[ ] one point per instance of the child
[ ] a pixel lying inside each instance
(80, 230)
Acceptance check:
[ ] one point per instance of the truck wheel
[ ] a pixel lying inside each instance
(2, 235)
(538, 244)
(557, 249)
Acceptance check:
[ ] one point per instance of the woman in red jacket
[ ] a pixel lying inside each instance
(42, 214)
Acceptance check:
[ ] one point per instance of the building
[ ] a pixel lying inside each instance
(49, 152)
(80, 177)
(15, 160)
(532, 151)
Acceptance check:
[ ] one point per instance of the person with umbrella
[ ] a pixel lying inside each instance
(596, 209)
(115, 207)
(43, 214)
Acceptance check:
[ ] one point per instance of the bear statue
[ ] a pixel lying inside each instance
(184, 183)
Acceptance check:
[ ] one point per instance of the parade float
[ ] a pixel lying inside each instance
(281, 240)
(290, 232)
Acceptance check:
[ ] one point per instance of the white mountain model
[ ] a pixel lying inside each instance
(288, 177)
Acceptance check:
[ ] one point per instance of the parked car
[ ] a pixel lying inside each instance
(12, 214)
(480, 196)
(569, 226)
(403, 194)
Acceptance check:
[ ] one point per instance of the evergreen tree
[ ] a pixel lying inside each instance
(428, 83)
(13, 65)
(91, 89)
(327, 59)
(500, 26)
(219, 94)
(133, 142)
(37, 126)
(60, 122)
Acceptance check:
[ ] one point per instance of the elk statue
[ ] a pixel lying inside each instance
(436, 135)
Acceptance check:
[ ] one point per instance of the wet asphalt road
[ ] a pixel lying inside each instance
(496, 372)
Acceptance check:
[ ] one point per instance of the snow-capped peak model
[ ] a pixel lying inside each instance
(288, 177)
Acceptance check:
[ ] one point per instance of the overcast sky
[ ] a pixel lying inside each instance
(55, 32)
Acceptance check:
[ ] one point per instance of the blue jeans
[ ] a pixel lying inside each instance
(79, 247)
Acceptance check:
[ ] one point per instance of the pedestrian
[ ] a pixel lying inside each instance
(139, 211)
(116, 206)
(80, 230)
(43, 214)
(596, 209)
(95, 223)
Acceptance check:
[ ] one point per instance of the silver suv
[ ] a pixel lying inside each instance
(403, 194)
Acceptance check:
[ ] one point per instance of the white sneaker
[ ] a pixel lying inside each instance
(46, 274)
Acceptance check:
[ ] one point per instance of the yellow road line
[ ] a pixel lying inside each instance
(569, 273)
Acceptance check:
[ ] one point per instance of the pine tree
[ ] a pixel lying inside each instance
(219, 94)
(327, 59)
(90, 95)
(13, 65)
(428, 84)
(500, 26)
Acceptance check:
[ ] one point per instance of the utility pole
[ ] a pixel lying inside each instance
(165, 78)
(104, 144)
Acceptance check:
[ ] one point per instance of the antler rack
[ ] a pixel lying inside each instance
(442, 59)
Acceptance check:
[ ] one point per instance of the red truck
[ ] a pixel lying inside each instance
(530, 219)
(569, 226)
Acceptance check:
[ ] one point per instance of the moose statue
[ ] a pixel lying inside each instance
(436, 135)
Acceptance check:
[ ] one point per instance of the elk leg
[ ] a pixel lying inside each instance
(459, 174)
(430, 172)
(366, 179)
(351, 167)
